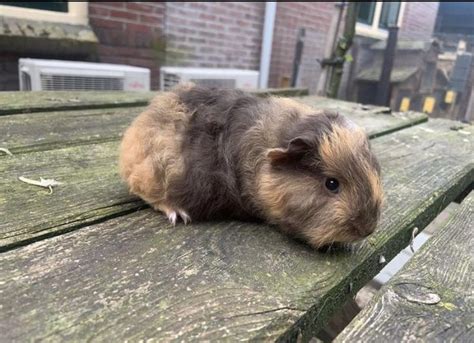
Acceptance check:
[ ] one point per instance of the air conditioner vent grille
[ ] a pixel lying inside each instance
(170, 80)
(74, 82)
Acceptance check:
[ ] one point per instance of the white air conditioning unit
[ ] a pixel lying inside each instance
(53, 75)
(226, 78)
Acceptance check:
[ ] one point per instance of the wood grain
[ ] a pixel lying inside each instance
(431, 298)
(376, 120)
(91, 190)
(22, 133)
(77, 128)
(135, 277)
(27, 102)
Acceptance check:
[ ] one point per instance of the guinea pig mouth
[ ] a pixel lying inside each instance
(360, 232)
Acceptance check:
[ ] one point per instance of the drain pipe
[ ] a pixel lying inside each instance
(267, 42)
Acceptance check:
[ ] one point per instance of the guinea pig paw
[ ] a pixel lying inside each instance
(172, 217)
(184, 216)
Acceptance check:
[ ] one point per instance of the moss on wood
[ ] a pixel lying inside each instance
(22, 133)
(377, 120)
(136, 277)
(91, 189)
(27, 102)
(430, 298)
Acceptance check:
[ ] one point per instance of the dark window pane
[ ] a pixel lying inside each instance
(455, 17)
(389, 15)
(57, 6)
(366, 12)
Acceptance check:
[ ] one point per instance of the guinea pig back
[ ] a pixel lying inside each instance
(205, 153)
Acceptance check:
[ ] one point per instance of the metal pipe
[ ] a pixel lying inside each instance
(384, 86)
(298, 55)
(267, 42)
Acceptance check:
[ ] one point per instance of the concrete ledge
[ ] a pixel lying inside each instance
(30, 36)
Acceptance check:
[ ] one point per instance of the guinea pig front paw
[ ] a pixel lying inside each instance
(173, 217)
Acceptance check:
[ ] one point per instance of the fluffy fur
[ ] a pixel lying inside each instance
(205, 153)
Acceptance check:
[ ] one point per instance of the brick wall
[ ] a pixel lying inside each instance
(214, 34)
(316, 18)
(128, 33)
(418, 20)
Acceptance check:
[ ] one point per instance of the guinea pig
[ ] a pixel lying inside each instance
(207, 153)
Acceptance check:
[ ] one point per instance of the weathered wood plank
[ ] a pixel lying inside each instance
(50, 130)
(135, 277)
(22, 133)
(27, 102)
(91, 190)
(430, 299)
(26, 133)
(377, 120)
(288, 92)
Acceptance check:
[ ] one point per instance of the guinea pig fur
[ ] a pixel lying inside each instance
(206, 153)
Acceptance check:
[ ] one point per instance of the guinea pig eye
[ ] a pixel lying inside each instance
(332, 185)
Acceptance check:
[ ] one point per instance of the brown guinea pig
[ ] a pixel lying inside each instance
(204, 153)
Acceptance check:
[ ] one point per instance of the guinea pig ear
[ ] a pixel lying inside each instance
(296, 148)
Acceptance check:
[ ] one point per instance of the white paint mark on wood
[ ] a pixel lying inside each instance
(45, 183)
(6, 151)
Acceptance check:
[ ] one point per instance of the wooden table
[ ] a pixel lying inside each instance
(89, 261)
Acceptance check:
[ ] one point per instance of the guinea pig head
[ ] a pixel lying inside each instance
(323, 182)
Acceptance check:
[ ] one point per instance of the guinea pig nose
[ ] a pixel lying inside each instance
(364, 231)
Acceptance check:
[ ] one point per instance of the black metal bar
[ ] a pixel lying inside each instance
(383, 89)
(297, 59)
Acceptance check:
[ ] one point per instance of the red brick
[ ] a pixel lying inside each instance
(213, 29)
(216, 27)
(149, 19)
(205, 16)
(140, 7)
(138, 28)
(106, 23)
(418, 20)
(160, 10)
(98, 11)
(123, 15)
(110, 5)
